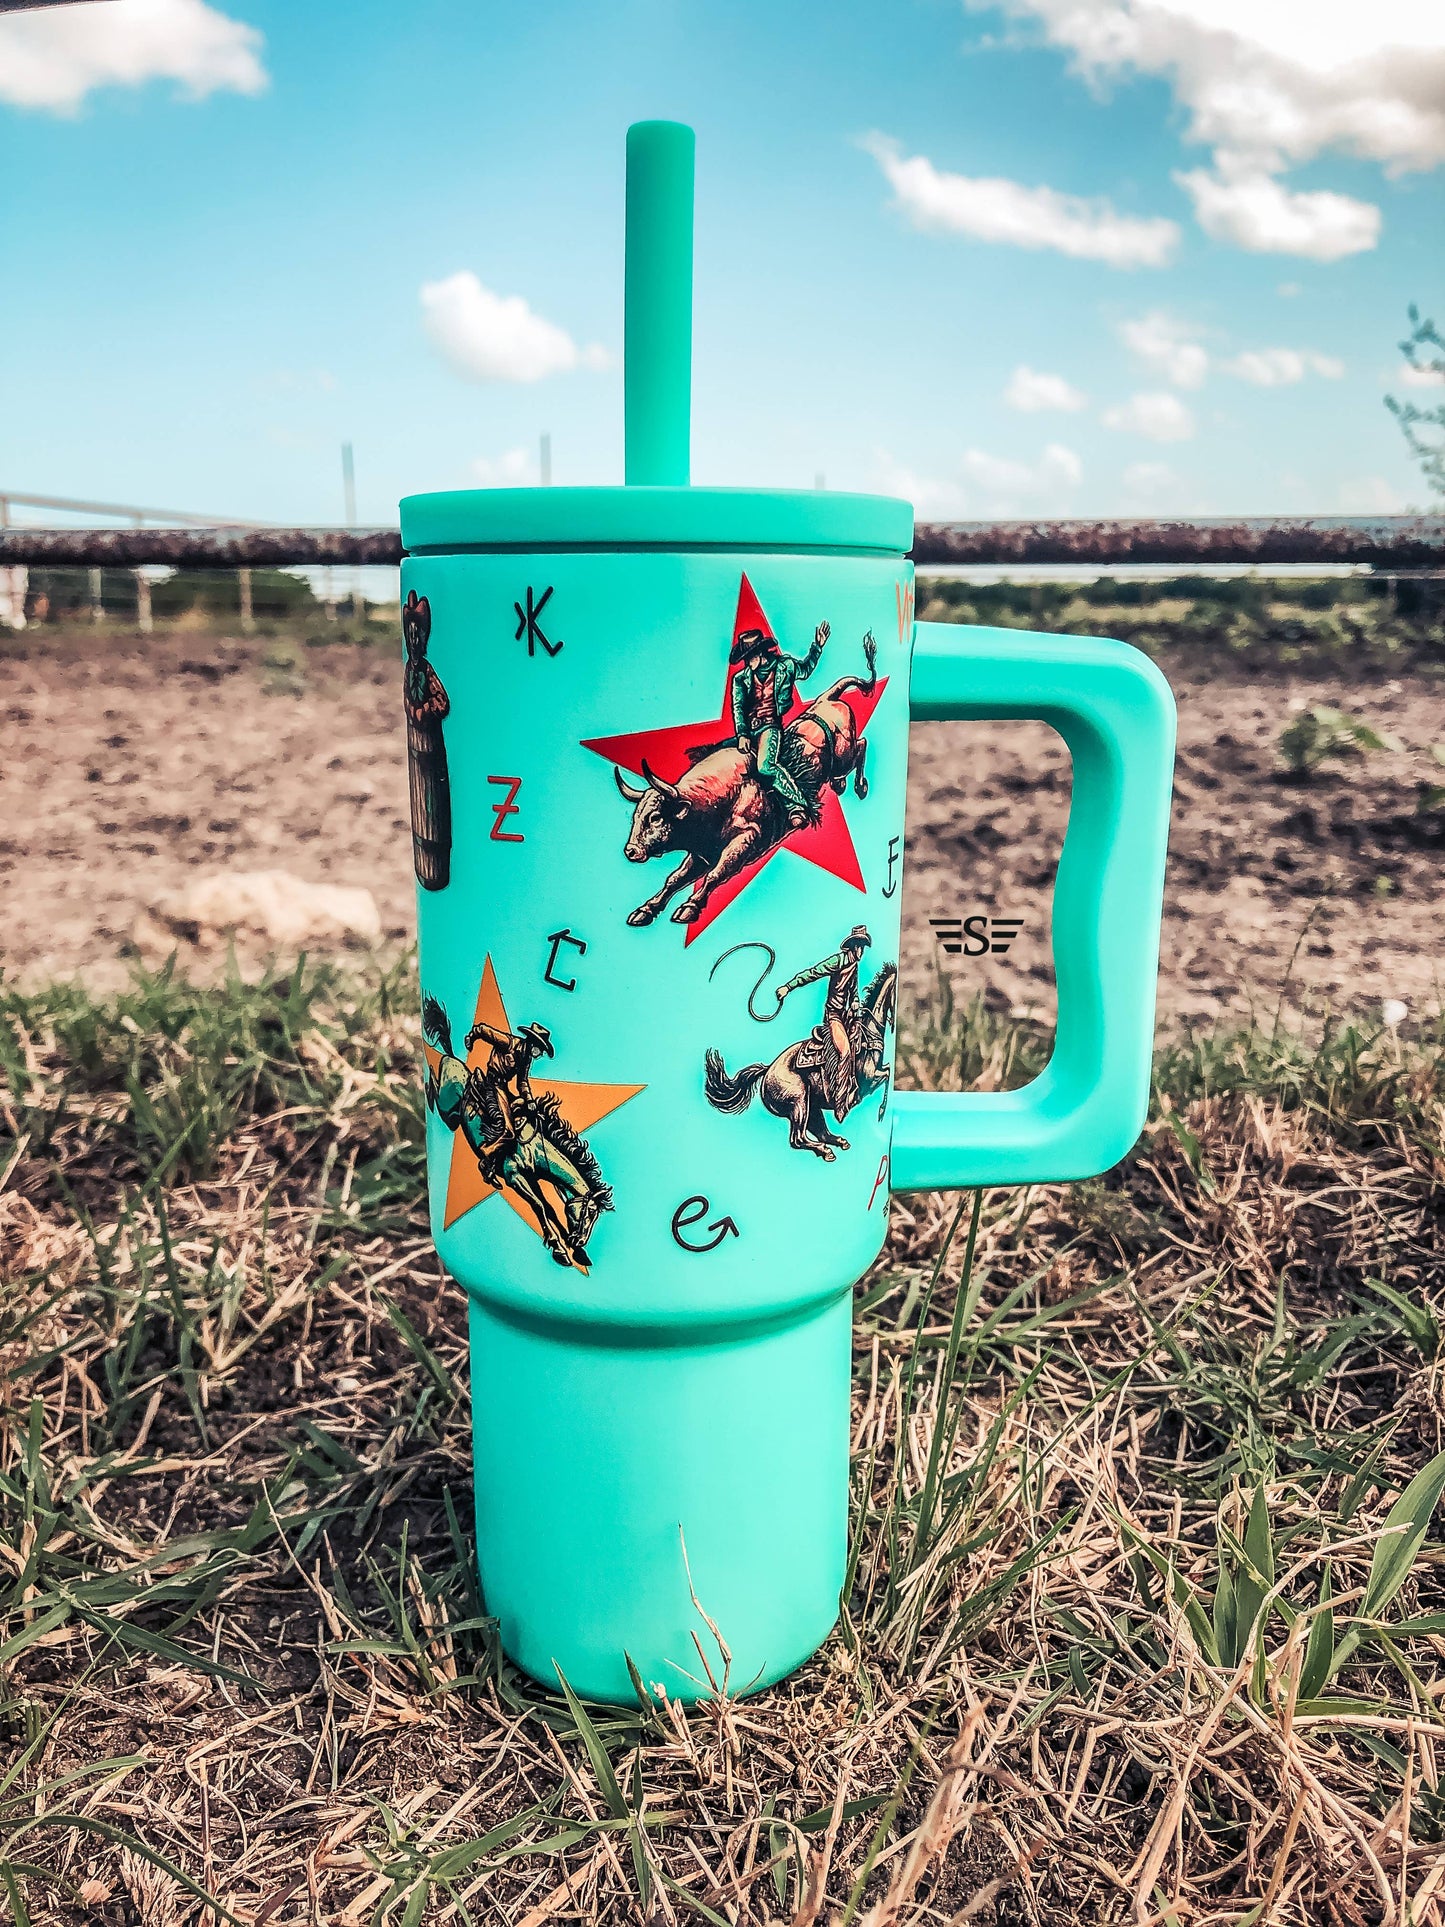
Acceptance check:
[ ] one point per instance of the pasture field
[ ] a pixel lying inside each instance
(138, 763)
(1147, 1612)
(1146, 1620)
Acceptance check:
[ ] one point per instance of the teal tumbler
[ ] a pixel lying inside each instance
(658, 743)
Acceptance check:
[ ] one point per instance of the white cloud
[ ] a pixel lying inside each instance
(1264, 79)
(1146, 482)
(1031, 391)
(497, 337)
(1143, 475)
(54, 59)
(1017, 216)
(1168, 346)
(1156, 488)
(1369, 495)
(1257, 213)
(1288, 289)
(1422, 377)
(986, 484)
(514, 469)
(1278, 367)
(1160, 417)
(1057, 470)
(1269, 85)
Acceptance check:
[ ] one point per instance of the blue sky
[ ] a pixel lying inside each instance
(1115, 256)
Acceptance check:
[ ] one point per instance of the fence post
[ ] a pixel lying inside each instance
(13, 582)
(97, 607)
(143, 619)
(248, 621)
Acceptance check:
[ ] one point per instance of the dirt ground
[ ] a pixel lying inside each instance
(130, 766)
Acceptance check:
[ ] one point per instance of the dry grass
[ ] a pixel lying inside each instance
(1133, 1633)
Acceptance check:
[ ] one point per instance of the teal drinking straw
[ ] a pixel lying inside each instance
(657, 372)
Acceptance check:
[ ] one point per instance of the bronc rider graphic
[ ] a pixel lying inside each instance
(840, 1061)
(519, 1138)
(833, 1047)
(762, 694)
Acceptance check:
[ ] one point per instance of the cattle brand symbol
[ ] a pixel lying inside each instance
(722, 796)
(880, 1180)
(975, 936)
(841, 1061)
(904, 593)
(529, 623)
(504, 809)
(691, 1212)
(890, 888)
(514, 1132)
(556, 940)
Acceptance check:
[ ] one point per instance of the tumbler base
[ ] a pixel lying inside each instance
(607, 1473)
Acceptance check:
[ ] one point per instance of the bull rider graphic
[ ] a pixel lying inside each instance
(762, 694)
(719, 797)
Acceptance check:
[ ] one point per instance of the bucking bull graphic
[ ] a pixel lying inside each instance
(721, 816)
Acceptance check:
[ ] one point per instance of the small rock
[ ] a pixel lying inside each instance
(265, 909)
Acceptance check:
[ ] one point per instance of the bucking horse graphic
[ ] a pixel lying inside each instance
(802, 1082)
(518, 1135)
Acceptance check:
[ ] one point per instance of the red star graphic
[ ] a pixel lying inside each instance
(829, 844)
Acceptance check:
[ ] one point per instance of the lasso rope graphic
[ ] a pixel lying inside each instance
(757, 1016)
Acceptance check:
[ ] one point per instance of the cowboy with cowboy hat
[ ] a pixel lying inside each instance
(522, 1151)
(762, 694)
(836, 1038)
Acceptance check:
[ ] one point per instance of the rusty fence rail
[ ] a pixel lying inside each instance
(1388, 542)
(1392, 543)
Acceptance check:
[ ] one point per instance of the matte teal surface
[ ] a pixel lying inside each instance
(597, 1466)
(662, 1441)
(1116, 713)
(645, 643)
(708, 1391)
(679, 518)
(658, 307)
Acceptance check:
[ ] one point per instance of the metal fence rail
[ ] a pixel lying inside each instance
(1389, 542)
(198, 548)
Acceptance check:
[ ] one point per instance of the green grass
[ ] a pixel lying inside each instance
(1351, 625)
(1144, 1618)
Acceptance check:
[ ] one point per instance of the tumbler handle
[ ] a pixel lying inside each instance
(1115, 711)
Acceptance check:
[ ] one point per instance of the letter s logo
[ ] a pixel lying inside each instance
(976, 930)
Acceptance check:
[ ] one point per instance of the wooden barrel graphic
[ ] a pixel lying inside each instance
(427, 704)
(431, 802)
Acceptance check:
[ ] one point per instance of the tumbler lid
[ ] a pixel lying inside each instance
(644, 517)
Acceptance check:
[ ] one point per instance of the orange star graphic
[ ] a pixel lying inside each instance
(582, 1105)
